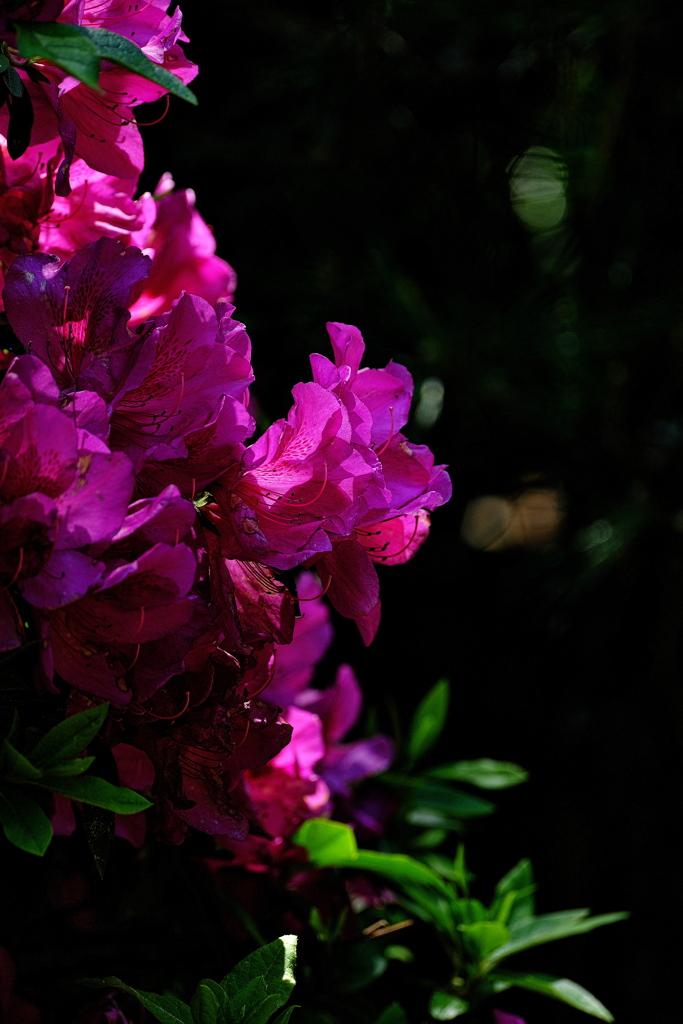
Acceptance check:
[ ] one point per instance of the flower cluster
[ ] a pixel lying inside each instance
(143, 537)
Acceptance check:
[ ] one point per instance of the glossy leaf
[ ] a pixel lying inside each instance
(69, 738)
(519, 884)
(25, 823)
(445, 1006)
(98, 792)
(284, 1015)
(450, 801)
(329, 843)
(484, 772)
(118, 50)
(167, 1009)
(398, 867)
(563, 989)
(262, 982)
(428, 721)
(66, 46)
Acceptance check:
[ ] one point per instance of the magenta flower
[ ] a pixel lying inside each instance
(61, 491)
(183, 251)
(304, 482)
(499, 1017)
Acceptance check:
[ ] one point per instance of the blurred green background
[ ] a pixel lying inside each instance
(493, 193)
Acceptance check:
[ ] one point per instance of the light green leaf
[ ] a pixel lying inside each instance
(118, 50)
(549, 927)
(328, 842)
(428, 721)
(563, 989)
(167, 1009)
(262, 982)
(67, 46)
(398, 867)
(445, 1006)
(24, 822)
(15, 766)
(71, 736)
(486, 936)
(484, 772)
(98, 792)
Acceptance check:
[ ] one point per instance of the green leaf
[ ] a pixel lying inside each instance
(14, 82)
(445, 1006)
(284, 1015)
(398, 867)
(485, 936)
(329, 843)
(121, 51)
(4, 63)
(67, 46)
(450, 801)
(24, 822)
(208, 1002)
(484, 772)
(549, 927)
(16, 767)
(98, 792)
(393, 1014)
(69, 768)
(557, 988)
(428, 721)
(518, 883)
(262, 982)
(167, 1009)
(71, 736)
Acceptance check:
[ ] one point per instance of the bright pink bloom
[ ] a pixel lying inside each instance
(499, 1017)
(300, 485)
(183, 251)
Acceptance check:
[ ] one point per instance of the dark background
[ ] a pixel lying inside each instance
(354, 160)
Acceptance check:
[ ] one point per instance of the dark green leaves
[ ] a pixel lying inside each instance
(249, 994)
(428, 721)
(79, 51)
(25, 824)
(69, 738)
(67, 46)
(53, 766)
(121, 51)
(262, 982)
(167, 1009)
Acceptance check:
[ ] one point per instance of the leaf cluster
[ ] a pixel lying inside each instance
(55, 765)
(476, 937)
(437, 800)
(250, 994)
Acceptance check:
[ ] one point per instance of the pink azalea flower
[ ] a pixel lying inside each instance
(183, 251)
(499, 1017)
(301, 484)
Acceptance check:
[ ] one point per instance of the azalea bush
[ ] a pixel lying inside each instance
(170, 563)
